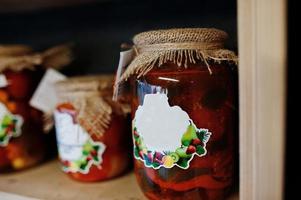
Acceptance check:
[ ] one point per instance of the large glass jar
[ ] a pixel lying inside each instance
(184, 114)
(92, 131)
(21, 138)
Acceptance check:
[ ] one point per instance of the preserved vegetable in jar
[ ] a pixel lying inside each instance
(184, 113)
(22, 143)
(92, 130)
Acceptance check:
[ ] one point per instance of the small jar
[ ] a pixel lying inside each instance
(184, 113)
(92, 131)
(21, 138)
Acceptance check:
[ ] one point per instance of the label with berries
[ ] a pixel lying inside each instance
(165, 136)
(77, 150)
(10, 125)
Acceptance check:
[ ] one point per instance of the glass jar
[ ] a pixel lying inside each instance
(21, 138)
(184, 113)
(92, 131)
(22, 142)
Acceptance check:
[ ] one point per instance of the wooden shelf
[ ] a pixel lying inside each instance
(48, 182)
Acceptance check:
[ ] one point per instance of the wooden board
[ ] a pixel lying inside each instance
(262, 72)
(48, 182)
(9, 196)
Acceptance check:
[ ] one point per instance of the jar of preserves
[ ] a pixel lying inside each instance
(21, 140)
(184, 113)
(92, 131)
(22, 143)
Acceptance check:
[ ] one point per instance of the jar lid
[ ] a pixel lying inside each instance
(180, 35)
(179, 46)
(91, 96)
(14, 50)
(19, 57)
(85, 84)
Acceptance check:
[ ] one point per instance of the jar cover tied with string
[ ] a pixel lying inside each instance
(184, 113)
(22, 144)
(92, 130)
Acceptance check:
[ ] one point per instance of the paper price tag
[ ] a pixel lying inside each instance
(3, 81)
(44, 98)
(125, 58)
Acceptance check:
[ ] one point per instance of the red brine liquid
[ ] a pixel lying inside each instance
(210, 100)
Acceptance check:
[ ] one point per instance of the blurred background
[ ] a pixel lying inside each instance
(96, 28)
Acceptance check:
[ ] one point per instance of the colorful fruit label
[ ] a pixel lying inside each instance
(165, 136)
(77, 150)
(10, 125)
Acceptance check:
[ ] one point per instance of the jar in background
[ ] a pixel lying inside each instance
(21, 140)
(184, 113)
(93, 133)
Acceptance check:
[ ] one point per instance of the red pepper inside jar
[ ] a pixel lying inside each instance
(92, 130)
(21, 142)
(184, 113)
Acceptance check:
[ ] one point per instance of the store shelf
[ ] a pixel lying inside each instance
(48, 182)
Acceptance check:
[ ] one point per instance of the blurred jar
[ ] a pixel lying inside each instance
(21, 140)
(93, 133)
(184, 113)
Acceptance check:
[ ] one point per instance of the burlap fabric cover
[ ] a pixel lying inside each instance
(91, 97)
(180, 46)
(19, 57)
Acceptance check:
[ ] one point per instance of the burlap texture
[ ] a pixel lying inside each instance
(91, 97)
(179, 46)
(14, 50)
(19, 57)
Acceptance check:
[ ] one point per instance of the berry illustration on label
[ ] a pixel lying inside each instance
(165, 136)
(77, 150)
(91, 155)
(10, 125)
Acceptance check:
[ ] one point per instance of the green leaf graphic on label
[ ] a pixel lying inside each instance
(77, 150)
(91, 155)
(181, 157)
(10, 125)
(189, 135)
(165, 136)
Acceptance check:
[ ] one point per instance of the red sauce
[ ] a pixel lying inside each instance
(27, 149)
(211, 102)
